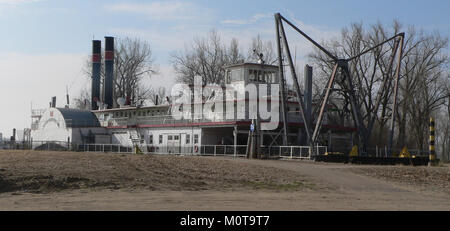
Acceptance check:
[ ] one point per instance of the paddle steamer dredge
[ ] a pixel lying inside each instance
(112, 126)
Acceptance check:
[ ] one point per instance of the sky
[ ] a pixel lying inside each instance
(44, 43)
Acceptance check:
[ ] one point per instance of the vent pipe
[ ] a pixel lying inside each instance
(13, 137)
(96, 69)
(53, 104)
(109, 71)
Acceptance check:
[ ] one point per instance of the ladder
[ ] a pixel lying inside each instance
(136, 138)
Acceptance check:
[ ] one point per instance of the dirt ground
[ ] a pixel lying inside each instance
(37, 180)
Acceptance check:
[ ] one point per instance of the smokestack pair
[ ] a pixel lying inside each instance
(109, 72)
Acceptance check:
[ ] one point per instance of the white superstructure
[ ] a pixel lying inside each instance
(154, 128)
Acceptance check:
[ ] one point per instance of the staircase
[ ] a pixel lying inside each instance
(136, 138)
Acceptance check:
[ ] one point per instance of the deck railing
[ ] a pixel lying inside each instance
(291, 152)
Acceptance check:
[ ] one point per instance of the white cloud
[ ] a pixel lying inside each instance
(255, 18)
(234, 21)
(13, 7)
(15, 2)
(167, 41)
(163, 10)
(179, 35)
(35, 78)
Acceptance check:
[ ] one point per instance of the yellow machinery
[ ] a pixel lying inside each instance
(405, 153)
(354, 151)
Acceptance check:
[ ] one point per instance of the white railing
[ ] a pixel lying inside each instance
(163, 119)
(294, 152)
(37, 112)
(204, 150)
(291, 152)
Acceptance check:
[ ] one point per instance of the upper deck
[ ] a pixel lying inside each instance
(237, 78)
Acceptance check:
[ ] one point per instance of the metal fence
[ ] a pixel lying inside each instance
(37, 145)
(203, 150)
(383, 151)
(292, 152)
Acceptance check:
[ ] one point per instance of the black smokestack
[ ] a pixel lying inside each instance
(53, 101)
(13, 137)
(96, 68)
(109, 71)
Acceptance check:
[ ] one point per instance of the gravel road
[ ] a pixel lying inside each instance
(95, 181)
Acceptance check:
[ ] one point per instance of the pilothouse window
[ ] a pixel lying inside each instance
(236, 75)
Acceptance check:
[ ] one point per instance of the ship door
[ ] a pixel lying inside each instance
(173, 143)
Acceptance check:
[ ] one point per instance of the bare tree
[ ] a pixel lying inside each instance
(367, 71)
(421, 88)
(83, 100)
(234, 54)
(159, 95)
(261, 47)
(206, 57)
(133, 64)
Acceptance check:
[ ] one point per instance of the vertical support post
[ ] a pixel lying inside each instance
(394, 107)
(385, 151)
(432, 154)
(235, 133)
(376, 151)
(308, 95)
(324, 103)
(329, 140)
(291, 152)
(361, 129)
(281, 78)
(296, 85)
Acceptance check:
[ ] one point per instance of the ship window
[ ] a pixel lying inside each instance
(228, 76)
(188, 139)
(169, 138)
(150, 139)
(261, 76)
(268, 76)
(121, 114)
(160, 139)
(252, 75)
(196, 139)
(236, 75)
(176, 137)
(271, 77)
